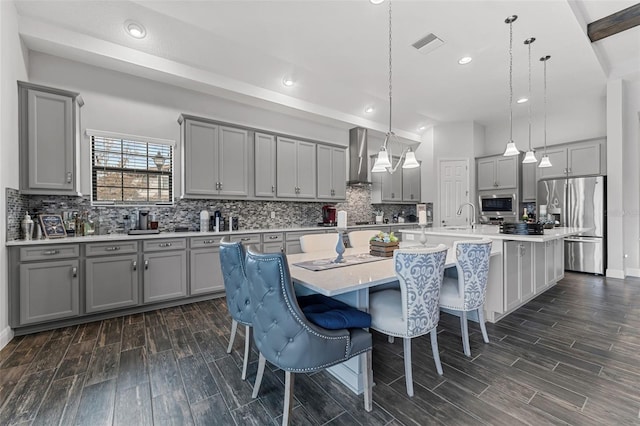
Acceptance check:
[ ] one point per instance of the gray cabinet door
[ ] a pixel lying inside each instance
(526, 270)
(485, 168)
(507, 172)
(206, 274)
(49, 149)
(339, 173)
(165, 276)
(48, 291)
(286, 168)
(233, 163)
(306, 169)
(111, 282)
(265, 165)
(511, 275)
(583, 159)
(201, 158)
(558, 169)
(411, 184)
(273, 247)
(325, 180)
(529, 181)
(392, 186)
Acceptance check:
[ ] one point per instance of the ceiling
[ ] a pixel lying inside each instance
(337, 53)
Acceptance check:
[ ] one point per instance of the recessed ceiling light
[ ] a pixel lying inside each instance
(522, 100)
(369, 110)
(465, 60)
(376, 1)
(135, 29)
(288, 81)
(421, 128)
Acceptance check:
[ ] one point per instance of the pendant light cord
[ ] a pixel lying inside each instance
(545, 105)
(529, 109)
(390, 72)
(511, 81)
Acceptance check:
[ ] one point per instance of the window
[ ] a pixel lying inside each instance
(128, 171)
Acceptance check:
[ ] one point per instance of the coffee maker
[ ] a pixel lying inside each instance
(328, 215)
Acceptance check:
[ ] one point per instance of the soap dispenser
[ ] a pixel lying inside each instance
(27, 226)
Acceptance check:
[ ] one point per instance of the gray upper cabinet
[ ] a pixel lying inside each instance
(48, 140)
(529, 181)
(265, 165)
(576, 159)
(216, 160)
(332, 172)
(296, 168)
(387, 187)
(497, 172)
(411, 184)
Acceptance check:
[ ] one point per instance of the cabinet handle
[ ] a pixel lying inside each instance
(114, 248)
(146, 265)
(50, 252)
(569, 170)
(135, 265)
(273, 237)
(69, 177)
(220, 185)
(208, 242)
(74, 272)
(273, 188)
(245, 239)
(164, 245)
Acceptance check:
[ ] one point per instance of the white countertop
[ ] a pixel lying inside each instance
(119, 237)
(493, 232)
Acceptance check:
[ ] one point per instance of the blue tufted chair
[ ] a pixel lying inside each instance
(466, 292)
(285, 337)
(412, 310)
(232, 262)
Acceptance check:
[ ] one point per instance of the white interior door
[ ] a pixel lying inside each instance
(453, 191)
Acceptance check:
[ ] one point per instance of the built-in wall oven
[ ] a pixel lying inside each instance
(500, 205)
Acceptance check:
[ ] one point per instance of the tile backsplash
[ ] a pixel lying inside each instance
(186, 212)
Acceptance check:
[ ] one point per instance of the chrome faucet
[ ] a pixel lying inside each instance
(473, 207)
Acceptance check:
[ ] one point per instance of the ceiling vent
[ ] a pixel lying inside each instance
(428, 43)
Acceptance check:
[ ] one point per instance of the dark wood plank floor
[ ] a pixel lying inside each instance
(571, 356)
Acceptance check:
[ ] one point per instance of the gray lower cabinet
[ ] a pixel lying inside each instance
(204, 263)
(519, 259)
(49, 291)
(165, 273)
(111, 282)
(273, 242)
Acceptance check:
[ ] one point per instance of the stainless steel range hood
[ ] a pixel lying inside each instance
(358, 157)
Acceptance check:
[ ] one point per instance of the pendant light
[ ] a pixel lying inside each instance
(545, 158)
(511, 146)
(383, 161)
(530, 156)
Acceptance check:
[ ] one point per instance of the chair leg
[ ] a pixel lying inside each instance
(256, 386)
(483, 328)
(288, 397)
(234, 329)
(465, 333)
(368, 380)
(247, 350)
(435, 350)
(408, 376)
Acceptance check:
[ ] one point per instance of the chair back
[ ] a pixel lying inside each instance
(318, 242)
(236, 285)
(282, 333)
(360, 239)
(420, 272)
(472, 264)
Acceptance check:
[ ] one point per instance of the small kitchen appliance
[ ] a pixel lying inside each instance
(329, 215)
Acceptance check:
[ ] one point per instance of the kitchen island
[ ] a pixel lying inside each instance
(527, 265)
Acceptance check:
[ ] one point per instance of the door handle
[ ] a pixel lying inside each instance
(146, 265)
(69, 177)
(135, 265)
(74, 272)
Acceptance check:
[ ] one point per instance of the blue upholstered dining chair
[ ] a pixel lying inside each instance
(287, 339)
(236, 285)
(412, 310)
(466, 292)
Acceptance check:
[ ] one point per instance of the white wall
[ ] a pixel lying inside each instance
(123, 103)
(12, 68)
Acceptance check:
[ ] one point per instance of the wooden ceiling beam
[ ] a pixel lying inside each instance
(614, 23)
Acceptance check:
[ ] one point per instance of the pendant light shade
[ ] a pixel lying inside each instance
(383, 160)
(545, 158)
(530, 156)
(511, 146)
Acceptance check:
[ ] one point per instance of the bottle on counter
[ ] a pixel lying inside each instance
(525, 215)
(204, 221)
(27, 227)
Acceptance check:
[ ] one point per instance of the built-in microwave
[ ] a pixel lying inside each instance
(499, 205)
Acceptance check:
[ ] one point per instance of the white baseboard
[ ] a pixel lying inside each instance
(615, 273)
(633, 272)
(5, 336)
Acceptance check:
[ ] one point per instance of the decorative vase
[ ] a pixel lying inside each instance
(339, 249)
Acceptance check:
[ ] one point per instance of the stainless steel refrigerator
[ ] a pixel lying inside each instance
(580, 203)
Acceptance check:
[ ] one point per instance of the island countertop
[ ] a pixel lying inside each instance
(493, 232)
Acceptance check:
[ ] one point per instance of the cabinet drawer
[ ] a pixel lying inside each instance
(59, 251)
(120, 247)
(272, 237)
(209, 241)
(168, 244)
(246, 238)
